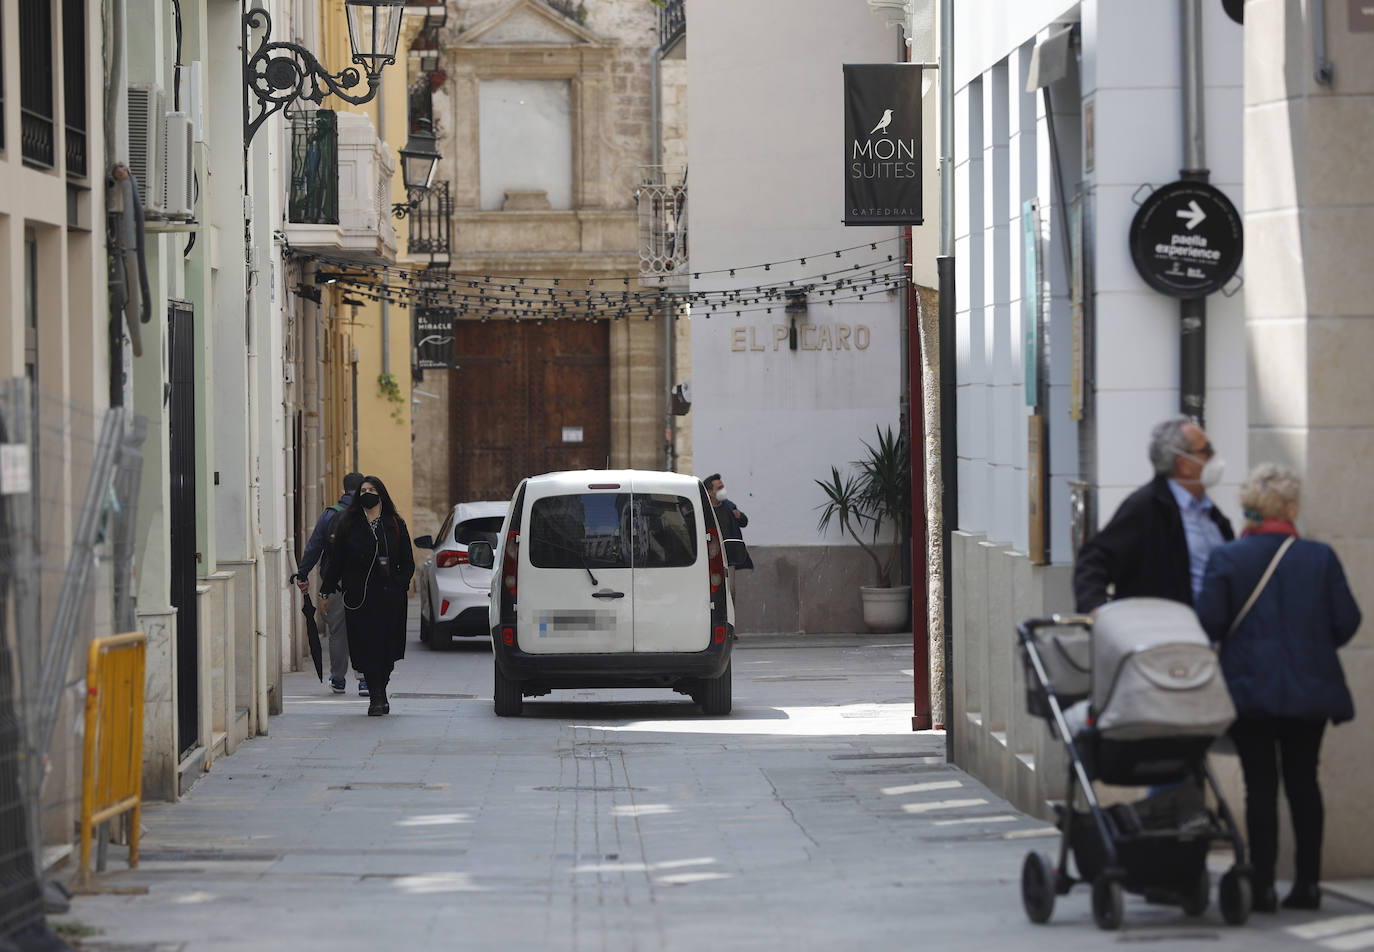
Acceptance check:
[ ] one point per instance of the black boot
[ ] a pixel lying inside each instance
(1303, 896)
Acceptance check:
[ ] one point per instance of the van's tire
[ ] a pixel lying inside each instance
(715, 694)
(506, 696)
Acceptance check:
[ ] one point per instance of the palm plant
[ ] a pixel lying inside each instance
(879, 494)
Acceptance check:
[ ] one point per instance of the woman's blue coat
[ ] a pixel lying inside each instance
(1281, 661)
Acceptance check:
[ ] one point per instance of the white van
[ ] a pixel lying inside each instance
(609, 578)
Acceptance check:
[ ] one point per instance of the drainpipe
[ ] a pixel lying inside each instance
(655, 121)
(949, 460)
(1192, 349)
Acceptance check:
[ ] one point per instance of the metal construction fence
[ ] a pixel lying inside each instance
(69, 478)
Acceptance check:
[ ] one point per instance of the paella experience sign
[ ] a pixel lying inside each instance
(1187, 239)
(882, 144)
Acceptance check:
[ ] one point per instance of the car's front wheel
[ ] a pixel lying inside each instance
(506, 695)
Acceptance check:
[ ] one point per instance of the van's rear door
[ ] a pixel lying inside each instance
(671, 590)
(575, 573)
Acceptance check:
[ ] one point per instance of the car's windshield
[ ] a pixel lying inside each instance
(596, 531)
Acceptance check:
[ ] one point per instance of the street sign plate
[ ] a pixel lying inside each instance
(1187, 239)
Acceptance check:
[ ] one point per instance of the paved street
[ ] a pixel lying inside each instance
(811, 818)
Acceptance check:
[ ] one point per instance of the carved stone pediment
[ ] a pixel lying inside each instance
(529, 23)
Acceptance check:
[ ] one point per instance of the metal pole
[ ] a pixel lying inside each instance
(949, 470)
(1192, 345)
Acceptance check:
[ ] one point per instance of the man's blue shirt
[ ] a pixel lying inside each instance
(1200, 529)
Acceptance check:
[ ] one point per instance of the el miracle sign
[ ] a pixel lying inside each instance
(1186, 239)
(882, 144)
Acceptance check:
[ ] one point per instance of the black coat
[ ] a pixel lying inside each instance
(1143, 551)
(1281, 660)
(730, 529)
(375, 600)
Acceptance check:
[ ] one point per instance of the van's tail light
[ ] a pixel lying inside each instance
(715, 560)
(719, 632)
(508, 635)
(510, 568)
(443, 607)
(450, 557)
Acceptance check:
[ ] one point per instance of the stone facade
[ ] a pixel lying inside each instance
(1309, 301)
(605, 58)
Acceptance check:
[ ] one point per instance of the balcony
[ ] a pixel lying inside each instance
(662, 201)
(672, 29)
(340, 190)
(429, 238)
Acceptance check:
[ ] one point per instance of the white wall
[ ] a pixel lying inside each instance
(766, 127)
(1130, 74)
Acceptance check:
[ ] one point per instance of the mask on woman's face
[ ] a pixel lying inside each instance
(370, 500)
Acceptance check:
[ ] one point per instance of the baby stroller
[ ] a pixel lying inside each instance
(1137, 696)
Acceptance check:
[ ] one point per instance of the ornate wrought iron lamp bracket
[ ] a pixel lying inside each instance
(278, 73)
(415, 195)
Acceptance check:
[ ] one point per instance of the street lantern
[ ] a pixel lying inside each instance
(278, 73)
(419, 157)
(374, 29)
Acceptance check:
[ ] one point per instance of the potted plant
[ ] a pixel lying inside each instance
(864, 502)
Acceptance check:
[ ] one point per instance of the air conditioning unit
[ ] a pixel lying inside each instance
(180, 168)
(148, 144)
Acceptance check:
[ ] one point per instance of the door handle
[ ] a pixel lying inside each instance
(608, 594)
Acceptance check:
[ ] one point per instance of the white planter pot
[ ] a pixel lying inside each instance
(886, 609)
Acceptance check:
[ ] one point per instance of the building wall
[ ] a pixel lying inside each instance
(764, 130)
(1310, 327)
(1118, 131)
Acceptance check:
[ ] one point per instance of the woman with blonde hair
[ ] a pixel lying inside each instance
(1280, 607)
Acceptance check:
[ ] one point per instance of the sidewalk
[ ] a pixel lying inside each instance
(811, 818)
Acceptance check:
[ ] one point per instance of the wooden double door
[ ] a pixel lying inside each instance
(526, 399)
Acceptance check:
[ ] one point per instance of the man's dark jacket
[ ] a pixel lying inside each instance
(317, 549)
(1143, 550)
(730, 526)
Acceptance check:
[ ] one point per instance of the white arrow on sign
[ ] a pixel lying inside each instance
(1193, 213)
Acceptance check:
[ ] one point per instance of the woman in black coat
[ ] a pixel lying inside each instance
(370, 553)
(1280, 662)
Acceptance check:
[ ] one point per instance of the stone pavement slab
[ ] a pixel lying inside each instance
(810, 818)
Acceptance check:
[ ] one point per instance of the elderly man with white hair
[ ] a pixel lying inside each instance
(1158, 541)
(1280, 607)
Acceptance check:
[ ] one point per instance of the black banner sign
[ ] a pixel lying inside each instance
(882, 144)
(434, 338)
(1187, 239)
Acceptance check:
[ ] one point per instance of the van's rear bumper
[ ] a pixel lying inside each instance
(618, 670)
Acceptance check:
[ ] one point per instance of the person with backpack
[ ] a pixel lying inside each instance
(369, 571)
(317, 550)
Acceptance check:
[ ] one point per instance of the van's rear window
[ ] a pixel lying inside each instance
(612, 531)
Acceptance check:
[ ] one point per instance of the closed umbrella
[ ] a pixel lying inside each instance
(312, 631)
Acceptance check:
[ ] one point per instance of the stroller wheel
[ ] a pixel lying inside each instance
(1233, 895)
(1195, 900)
(1038, 879)
(1107, 903)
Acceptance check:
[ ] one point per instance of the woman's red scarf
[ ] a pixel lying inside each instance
(1271, 527)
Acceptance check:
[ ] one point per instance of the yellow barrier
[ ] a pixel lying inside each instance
(112, 775)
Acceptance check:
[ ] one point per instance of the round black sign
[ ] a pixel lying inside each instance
(1186, 239)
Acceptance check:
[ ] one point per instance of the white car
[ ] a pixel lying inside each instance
(454, 594)
(610, 578)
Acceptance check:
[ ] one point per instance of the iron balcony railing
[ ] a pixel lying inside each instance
(36, 129)
(74, 84)
(431, 225)
(314, 198)
(662, 202)
(672, 25)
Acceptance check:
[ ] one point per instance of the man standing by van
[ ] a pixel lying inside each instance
(731, 521)
(317, 550)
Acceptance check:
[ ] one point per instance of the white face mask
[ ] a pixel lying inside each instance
(1212, 471)
(720, 494)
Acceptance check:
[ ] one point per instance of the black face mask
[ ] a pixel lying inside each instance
(369, 500)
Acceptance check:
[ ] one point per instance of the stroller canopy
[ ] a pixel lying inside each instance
(1155, 674)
